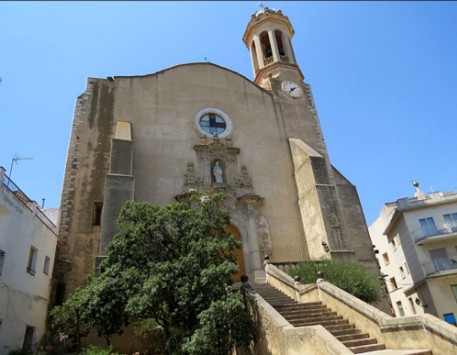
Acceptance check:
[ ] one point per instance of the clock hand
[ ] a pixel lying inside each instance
(292, 89)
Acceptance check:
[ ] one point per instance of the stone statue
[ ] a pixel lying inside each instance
(217, 172)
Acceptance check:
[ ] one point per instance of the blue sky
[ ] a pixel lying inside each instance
(383, 75)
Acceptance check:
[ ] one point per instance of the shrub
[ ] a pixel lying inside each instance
(95, 350)
(19, 352)
(151, 334)
(355, 279)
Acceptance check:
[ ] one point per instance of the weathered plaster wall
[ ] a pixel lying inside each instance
(161, 109)
(86, 167)
(24, 296)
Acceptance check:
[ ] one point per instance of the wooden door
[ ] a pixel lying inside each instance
(238, 253)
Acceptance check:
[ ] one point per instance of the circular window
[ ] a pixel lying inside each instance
(212, 120)
(212, 123)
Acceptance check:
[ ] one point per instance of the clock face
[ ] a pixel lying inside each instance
(292, 89)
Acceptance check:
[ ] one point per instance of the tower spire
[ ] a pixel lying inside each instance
(268, 37)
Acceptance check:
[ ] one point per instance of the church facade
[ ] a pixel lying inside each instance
(203, 128)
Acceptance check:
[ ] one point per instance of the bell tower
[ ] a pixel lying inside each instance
(268, 37)
(331, 215)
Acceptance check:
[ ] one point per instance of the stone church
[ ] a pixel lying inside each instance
(199, 127)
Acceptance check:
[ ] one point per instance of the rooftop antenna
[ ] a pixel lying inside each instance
(419, 194)
(14, 160)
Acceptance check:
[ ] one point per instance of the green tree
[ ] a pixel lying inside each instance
(103, 306)
(66, 325)
(176, 262)
(353, 278)
(220, 328)
(168, 264)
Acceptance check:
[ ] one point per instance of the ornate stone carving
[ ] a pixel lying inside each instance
(264, 233)
(218, 173)
(203, 139)
(250, 199)
(190, 177)
(243, 180)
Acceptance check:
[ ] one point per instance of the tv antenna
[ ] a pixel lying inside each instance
(15, 159)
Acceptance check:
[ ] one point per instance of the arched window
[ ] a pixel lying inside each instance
(254, 57)
(266, 48)
(278, 35)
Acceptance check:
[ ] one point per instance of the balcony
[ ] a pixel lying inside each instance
(442, 232)
(441, 266)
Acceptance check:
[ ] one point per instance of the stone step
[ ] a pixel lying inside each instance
(309, 313)
(316, 318)
(269, 292)
(323, 323)
(315, 313)
(367, 348)
(300, 306)
(355, 334)
(342, 329)
(359, 342)
(276, 304)
(401, 352)
(278, 298)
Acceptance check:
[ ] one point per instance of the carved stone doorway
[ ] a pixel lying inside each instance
(238, 253)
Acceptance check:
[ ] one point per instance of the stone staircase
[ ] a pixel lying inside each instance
(315, 313)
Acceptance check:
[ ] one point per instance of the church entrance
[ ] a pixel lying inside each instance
(238, 253)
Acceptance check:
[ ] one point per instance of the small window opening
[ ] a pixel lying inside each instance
(29, 338)
(401, 311)
(60, 293)
(31, 264)
(97, 213)
(411, 303)
(393, 283)
(47, 262)
(2, 260)
(385, 257)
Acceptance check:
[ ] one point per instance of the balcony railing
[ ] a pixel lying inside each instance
(30, 204)
(443, 229)
(270, 59)
(441, 264)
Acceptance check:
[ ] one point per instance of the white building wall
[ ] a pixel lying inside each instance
(415, 259)
(24, 297)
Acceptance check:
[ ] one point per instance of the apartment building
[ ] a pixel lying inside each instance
(415, 241)
(27, 251)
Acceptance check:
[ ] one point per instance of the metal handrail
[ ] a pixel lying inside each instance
(440, 264)
(21, 196)
(440, 229)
